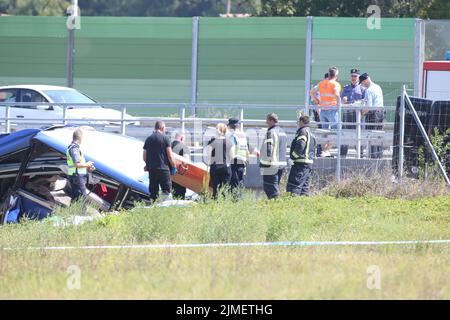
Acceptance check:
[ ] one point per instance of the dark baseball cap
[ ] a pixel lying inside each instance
(363, 77)
(233, 121)
(354, 72)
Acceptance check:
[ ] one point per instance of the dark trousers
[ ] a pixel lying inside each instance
(220, 178)
(375, 117)
(178, 191)
(319, 126)
(349, 116)
(159, 178)
(298, 181)
(78, 186)
(237, 176)
(271, 184)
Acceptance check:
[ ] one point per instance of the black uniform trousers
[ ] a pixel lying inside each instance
(78, 186)
(376, 152)
(237, 176)
(159, 178)
(271, 184)
(220, 177)
(299, 177)
(348, 116)
(178, 191)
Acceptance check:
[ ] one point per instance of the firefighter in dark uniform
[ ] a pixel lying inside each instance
(218, 153)
(239, 156)
(273, 157)
(178, 147)
(302, 154)
(78, 167)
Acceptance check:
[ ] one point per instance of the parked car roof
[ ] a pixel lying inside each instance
(39, 87)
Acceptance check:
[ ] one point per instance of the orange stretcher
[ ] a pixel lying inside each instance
(191, 176)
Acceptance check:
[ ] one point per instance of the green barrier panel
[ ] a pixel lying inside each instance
(33, 50)
(134, 60)
(387, 54)
(252, 60)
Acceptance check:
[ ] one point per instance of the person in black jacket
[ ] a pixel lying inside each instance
(302, 154)
(218, 151)
(159, 161)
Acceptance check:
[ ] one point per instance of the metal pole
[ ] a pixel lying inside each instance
(401, 149)
(64, 115)
(427, 139)
(194, 61)
(419, 56)
(228, 6)
(7, 121)
(74, 13)
(241, 118)
(358, 132)
(182, 117)
(308, 52)
(69, 57)
(338, 164)
(122, 120)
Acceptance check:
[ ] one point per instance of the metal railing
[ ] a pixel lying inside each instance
(354, 136)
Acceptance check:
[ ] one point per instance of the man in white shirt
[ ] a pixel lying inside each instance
(373, 98)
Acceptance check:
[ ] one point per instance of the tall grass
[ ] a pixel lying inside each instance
(323, 217)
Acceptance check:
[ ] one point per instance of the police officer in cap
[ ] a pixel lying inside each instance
(239, 156)
(302, 154)
(351, 94)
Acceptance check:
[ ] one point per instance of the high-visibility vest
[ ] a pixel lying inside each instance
(308, 155)
(72, 169)
(326, 89)
(275, 159)
(240, 146)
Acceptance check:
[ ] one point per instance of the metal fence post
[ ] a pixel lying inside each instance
(122, 120)
(402, 134)
(194, 62)
(338, 163)
(64, 115)
(182, 118)
(358, 132)
(241, 118)
(427, 139)
(419, 55)
(7, 121)
(308, 52)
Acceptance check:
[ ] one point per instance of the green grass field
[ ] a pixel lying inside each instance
(411, 272)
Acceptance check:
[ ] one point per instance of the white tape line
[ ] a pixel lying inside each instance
(243, 244)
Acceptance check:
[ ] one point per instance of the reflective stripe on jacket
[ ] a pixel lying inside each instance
(240, 146)
(72, 169)
(326, 89)
(303, 146)
(273, 150)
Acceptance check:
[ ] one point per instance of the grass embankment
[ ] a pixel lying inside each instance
(411, 272)
(321, 218)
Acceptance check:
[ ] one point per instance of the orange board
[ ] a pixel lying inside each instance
(191, 176)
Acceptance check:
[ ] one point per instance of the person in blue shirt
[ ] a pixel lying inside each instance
(350, 94)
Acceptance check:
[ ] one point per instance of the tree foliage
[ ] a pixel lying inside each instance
(426, 9)
(34, 7)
